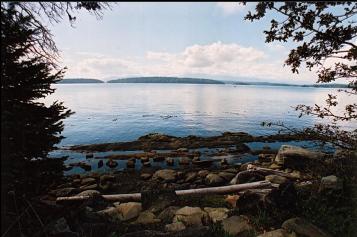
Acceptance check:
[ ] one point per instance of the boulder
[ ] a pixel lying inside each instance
(62, 192)
(170, 161)
(303, 228)
(129, 210)
(130, 163)
(89, 193)
(182, 149)
(87, 181)
(275, 166)
(226, 175)
(266, 157)
(167, 214)
(276, 179)
(146, 218)
(296, 157)
(190, 216)
(174, 227)
(106, 177)
(237, 225)
(166, 175)
(214, 180)
(331, 183)
(278, 233)
(190, 177)
(88, 187)
(203, 173)
(145, 176)
(112, 163)
(216, 214)
(184, 161)
(100, 164)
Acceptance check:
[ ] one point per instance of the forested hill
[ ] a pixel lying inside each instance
(166, 80)
(79, 80)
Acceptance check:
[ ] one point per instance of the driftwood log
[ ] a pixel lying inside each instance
(199, 191)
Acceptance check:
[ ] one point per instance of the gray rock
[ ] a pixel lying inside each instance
(216, 214)
(203, 173)
(166, 175)
(190, 216)
(237, 225)
(278, 233)
(214, 179)
(276, 179)
(167, 214)
(190, 176)
(88, 187)
(226, 175)
(175, 227)
(145, 176)
(87, 181)
(146, 218)
(89, 193)
(129, 210)
(62, 192)
(303, 228)
(331, 183)
(296, 157)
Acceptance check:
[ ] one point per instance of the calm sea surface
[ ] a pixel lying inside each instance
(123, 112)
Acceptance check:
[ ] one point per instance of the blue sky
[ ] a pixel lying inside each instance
(209, 40)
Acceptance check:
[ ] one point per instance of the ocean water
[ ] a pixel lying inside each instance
(124, 112)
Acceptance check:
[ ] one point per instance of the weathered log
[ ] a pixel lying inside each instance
(258, 171)
(199, 191)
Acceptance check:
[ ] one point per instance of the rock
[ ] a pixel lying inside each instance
(146, 218)
(90, 155)
(166, 175)
(145, 176)
(112, 163)
(244, 166)
(296, 174)
(216, 214)
(106, 177)
(89, 193)
(100, 164)
(184, 161)
(297, 157)
(278, 233)
(241, 147)
(203, 173)
(303, 228)
(158, 158)
(190, 177)
(170, 161)
(129, 210)
(232, 200)
(111, 213)
(226, 175)
(190, 216)
(88, 187)
(276, 179)
(275, 166)
(224, 161)
(182, 150)
(214, 179)
(59, 227)
(130, 163)
(87, 181)
(174, 227)
(237, 225)
(266, 157)
(330, 183)
(203, 163)
(167, 214)
(62, 192)
(147, 164)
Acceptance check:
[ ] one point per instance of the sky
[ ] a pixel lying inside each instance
(206, 40)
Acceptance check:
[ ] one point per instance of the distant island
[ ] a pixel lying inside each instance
(334, 85)
(166, 80)
(79, 80)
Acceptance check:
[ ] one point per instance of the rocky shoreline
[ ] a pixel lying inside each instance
(292, 171)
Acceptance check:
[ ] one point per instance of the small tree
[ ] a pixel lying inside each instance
(323, 31)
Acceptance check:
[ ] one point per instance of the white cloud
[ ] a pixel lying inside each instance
(230, 7)
(215, 60)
